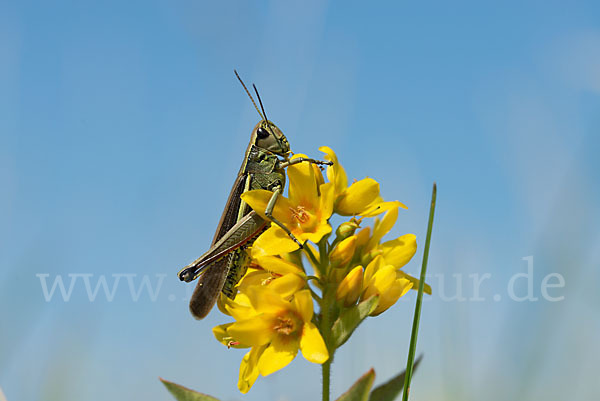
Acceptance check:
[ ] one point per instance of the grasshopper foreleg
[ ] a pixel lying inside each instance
(306, 159)
(269, 214)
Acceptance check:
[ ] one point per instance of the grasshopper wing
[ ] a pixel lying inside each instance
(209, 286)
(232, 207)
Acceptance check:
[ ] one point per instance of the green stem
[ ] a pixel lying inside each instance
(323, 253)
(326, 305)
(326, 367)
(326, 331)
(316, 296)
(311, 255)
(415, 327)
(324, 259)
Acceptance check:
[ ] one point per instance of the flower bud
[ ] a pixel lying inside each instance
(346, 229)
(343, 252)
(362, 238)
(389, 297)
(350, 288)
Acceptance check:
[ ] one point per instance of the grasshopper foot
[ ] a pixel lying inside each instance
(186, 275)
(323, 163)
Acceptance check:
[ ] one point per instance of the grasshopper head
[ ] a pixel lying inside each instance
(267, 136)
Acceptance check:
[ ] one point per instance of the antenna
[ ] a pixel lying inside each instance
(250, 96)
(260, 101)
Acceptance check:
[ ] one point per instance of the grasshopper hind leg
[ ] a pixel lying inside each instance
(237, 269)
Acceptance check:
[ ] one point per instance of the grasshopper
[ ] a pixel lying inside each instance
(224, 264)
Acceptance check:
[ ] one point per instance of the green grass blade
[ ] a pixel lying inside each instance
(415, 327)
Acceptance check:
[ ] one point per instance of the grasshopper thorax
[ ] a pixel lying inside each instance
(268, 136)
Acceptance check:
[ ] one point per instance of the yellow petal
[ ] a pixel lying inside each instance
(240, 309)
(220, 333)
(389, 297)
(357, 197)
(249, 369)
(277, 356)
(303, 304)
(382, 227)
(287, 285)
(266, 301)
(335, 173)
(414, 281)
(381, 282)
(258, 200)
(376, 208)
(312, 345)
(399, 251)
(274, 241)
(255, 277)
(303, 185)
(351, 286)
(222, 304)
(318, 175)
(327, 200)
(278, 265)
(373, 266)
(322, 229)
(254, 331)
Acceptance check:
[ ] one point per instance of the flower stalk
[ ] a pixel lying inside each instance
(355, 272)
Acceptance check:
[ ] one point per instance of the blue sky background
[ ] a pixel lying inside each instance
(122, 127)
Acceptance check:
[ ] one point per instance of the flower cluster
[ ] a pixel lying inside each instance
(273, 311)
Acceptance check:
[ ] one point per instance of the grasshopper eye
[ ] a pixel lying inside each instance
(262, 133)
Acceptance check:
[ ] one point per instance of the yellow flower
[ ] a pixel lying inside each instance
(361, 198)
(382, 280)
(396, 252)
(275, 329)
(305, 213)
(350, 288)
(281, 276)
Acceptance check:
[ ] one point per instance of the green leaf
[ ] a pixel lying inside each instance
(389, 390)
(350, 318)
(359, 390)
(185, 394)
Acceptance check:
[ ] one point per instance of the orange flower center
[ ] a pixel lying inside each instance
(286, 324)
(300, 214)
(267, 281)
